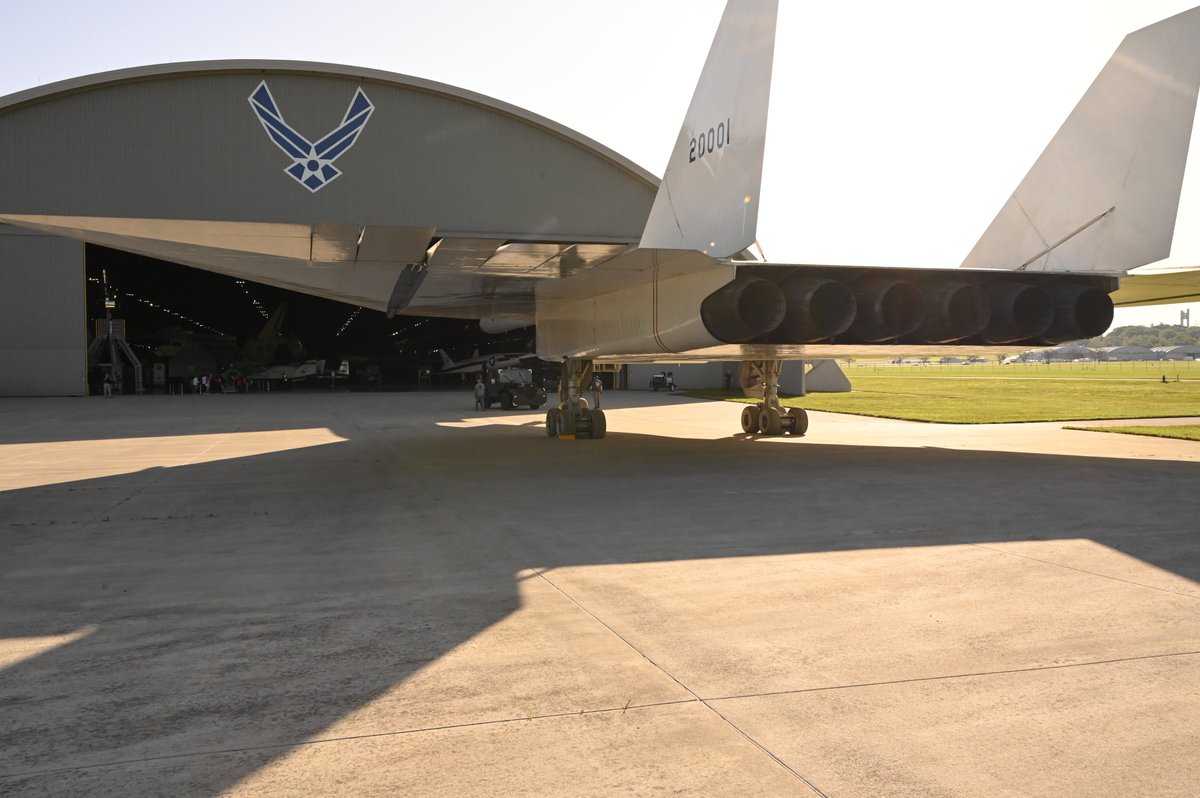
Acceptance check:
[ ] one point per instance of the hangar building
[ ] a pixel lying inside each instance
(115, 158)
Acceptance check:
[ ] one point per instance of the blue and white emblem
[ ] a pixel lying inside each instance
(313, 163)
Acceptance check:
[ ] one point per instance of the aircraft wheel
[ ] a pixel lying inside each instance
(534, 405)
(552, 422)
(506, 400)
(800, 425)
(770, 421)
(750, 419)
(566, 423)
(599, 425)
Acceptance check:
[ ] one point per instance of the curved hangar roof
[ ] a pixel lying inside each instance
(256, 167)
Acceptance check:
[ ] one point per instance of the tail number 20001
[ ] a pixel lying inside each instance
(706, 143)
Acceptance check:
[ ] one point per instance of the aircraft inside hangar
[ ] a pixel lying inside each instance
(182, 323)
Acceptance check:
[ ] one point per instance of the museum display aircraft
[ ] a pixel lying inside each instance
(273, 346)
(1101, 200)
(477, 362)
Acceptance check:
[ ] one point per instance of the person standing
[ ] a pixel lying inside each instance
(108, 384)
(597, 390)
(480, 393)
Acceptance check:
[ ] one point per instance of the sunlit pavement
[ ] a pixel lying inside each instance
(392, 594)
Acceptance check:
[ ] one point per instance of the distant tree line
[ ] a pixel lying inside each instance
(1158, 335)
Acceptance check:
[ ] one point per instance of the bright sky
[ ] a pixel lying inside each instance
(897, 129)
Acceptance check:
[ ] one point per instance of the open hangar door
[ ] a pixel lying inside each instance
(181, 322)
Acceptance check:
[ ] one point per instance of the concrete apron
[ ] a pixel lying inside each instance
(391, 594)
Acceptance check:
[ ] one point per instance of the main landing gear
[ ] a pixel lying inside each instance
(769, 417)
(572, 418)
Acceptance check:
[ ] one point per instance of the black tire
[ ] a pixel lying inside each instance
(800, 425)
(552, 422)
(770, 420)
(750, 419)
(566, 423)
(534, 405)
(599, 424)
(506, 401)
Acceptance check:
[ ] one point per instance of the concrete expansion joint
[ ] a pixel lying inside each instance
(540, 573)
(661, 669)
(628, 707)
(955, 676)
(1081, 570)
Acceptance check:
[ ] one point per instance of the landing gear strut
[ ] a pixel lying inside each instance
(572, 418)
(769, 417)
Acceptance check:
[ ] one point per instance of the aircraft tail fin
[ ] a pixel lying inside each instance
(1104, 194)
(708, 199)
(274, 326)
(446, 361)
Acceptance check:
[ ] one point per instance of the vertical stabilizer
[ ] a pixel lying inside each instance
(1104, 194)
(708, 200)
(274, 327)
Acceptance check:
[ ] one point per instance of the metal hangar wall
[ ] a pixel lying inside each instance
(193, 142)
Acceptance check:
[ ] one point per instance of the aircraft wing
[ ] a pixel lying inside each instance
(462, 277)
(1158, 288)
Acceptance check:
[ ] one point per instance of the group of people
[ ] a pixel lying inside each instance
(208, 383)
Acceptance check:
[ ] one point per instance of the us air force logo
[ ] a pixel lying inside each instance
(312, 165)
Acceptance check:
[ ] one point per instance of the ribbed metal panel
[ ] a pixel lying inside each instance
(43, 337)
(190, 146)
(182, 142)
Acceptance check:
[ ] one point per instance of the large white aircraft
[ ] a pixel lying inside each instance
(1101, 200)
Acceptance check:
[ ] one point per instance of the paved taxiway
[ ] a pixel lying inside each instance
(390, 594)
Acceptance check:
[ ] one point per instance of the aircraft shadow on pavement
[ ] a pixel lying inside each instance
(243, 607)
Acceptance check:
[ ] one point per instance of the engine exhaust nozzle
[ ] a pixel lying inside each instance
(743, 310)
(887, 309)
(1080, 311)
(817, 309)
(954, 310)
(1020, 312)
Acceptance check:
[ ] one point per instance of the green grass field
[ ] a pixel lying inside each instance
(1187, 432)
(1134, 370)
(991, 393)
